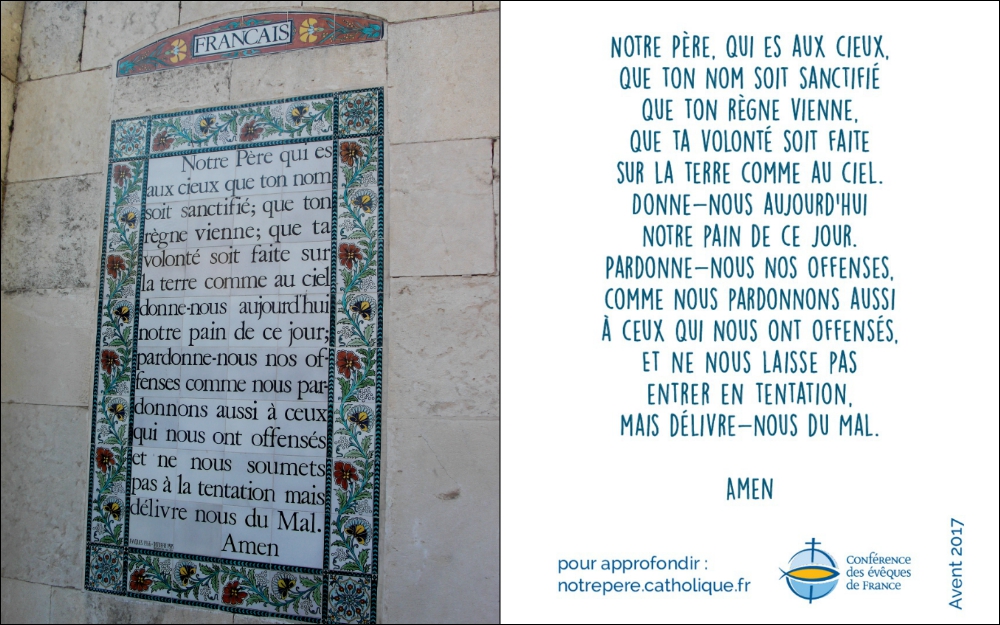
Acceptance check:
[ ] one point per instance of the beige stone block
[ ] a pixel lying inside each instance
(442, 344)
(52, 233)
(11, 14)
(172, 90)
(488, 5)
(7, 116)
(22, 602)
(444, 79)
(116, 28)
(198, 11)
(441, 208)
(47, 347)
(93, 607)
(61, 127)
(398, 11)
(442, 526)
(68, 605)
(45, 462)
(51, 39)
(304, 72)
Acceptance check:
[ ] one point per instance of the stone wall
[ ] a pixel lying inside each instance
(439, 63)
(11, 15)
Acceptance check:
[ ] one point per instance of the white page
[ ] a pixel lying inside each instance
(918, 475)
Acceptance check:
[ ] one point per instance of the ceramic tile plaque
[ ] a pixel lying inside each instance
(235, 442)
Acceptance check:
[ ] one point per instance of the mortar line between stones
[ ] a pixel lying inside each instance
(86, 173)
(447, 275)
(485, 419)
(493, 137)
(83, 71)
(22, 403)
(83, 38)
(439, 17)
(496, 213)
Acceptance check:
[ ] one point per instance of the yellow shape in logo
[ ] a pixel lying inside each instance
(811, 573)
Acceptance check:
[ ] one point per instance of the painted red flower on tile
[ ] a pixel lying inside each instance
(250, 131)
(110, 360)
(105, 459)
(138, 581)
(232, 594)
(121, 174)
(344, 473)
(350, 254)
(115, 264)
(162, 141)
(347, 362)
(349, 151)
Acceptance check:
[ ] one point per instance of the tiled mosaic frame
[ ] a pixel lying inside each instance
(345, 590)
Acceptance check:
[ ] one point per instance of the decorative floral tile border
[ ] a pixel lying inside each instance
(236, 587)
(354, 113)
(251, 35)
(346, 589)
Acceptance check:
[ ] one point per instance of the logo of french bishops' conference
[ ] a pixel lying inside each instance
(812, 573)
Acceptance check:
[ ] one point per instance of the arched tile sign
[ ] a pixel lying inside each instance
(250, 35)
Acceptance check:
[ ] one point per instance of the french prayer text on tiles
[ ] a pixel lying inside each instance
(237, 393)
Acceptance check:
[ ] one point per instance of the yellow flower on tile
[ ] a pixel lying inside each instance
(179, 50)
(308, 30)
